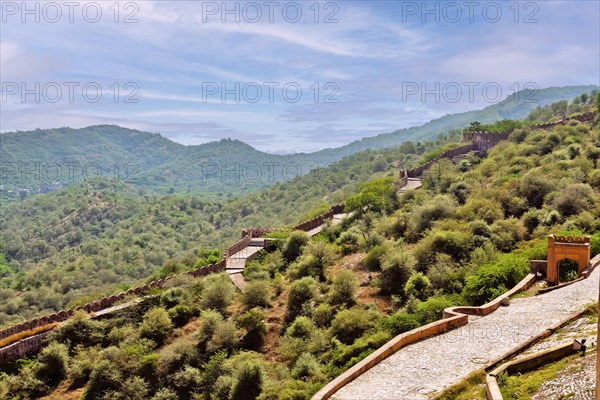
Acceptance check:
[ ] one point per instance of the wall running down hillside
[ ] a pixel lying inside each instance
(483, 141)
(34, 343)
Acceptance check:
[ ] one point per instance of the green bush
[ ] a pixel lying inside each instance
(53, 362)
(375, 256)
(349, 325)
(360, 346)
(172, 297)
(256, 294)
(293, 246)
(343, 289)
(156, 325)
(252, 322)
(395, 271)
(400, 323)
(218, 293)
(105, 377)
(417, 285)
(432, 309)
(248, 381)
(302, 292)
(306, 366)
(180, 315)
(491, 280)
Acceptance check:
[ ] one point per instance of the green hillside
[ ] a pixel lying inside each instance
(34, 160)
(312, 307)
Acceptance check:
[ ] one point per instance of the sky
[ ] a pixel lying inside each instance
(282, 76)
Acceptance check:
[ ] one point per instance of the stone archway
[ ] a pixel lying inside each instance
(576, 248)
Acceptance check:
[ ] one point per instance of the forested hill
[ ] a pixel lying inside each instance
(48, 159)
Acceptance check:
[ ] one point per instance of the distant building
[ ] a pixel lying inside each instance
(50, 188)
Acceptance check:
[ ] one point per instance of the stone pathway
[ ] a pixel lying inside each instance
(411, 183)
(424, 368)
(237, 262)
(576, 382)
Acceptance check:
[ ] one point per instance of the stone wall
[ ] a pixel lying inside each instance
(319, 220)
(418, 171)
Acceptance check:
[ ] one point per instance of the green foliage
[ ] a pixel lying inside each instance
(252, 322)
(302, 292)
(294, 245)
(218, 293)
(375, 256)
(395, 271)
(343, 289)
(157, 325)
(400, 322)
(53, 363)
(432, 309)
(248, 381)
(256, 294)
(349, 325)
(376, 196)
(418, 286)
(491, 280)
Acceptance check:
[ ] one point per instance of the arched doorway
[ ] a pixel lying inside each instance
(568, 270)
(577, 249)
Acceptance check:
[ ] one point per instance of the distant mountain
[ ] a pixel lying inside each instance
(48, 159)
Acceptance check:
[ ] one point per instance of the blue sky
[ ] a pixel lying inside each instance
(374, 59)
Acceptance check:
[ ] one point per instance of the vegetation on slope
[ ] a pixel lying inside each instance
(315, 307)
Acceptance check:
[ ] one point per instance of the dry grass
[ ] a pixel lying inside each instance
(25, 334)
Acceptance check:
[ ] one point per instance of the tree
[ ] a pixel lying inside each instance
(343, 289)
(252, 322)
(349, 325)
(248, 381)
(395, 271)
(156, 325)
(256, 294)
(294, 244)
(53, 362)
(417, 285)
(300, 296)
(377, 196)
(218, 293)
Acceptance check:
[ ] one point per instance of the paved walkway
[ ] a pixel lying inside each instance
(336, 219)
(411, 183)
(424, 368)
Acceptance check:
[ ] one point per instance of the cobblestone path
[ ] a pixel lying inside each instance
(424, 368)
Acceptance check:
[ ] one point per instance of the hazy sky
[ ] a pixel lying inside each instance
(282, 76)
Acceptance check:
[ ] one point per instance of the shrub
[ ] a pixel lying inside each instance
(374, 257)
(395, 271)
(256, 294)
(343, 288)
(80, 329)
(222, 388)
(218, 293)
(105, 377)
(322, 315)
(174, 356)
(210, 320)
(225, 337)
(252, 322)
(534, 188)
(400, 322)
(293, 246)
(187, 380)
(300, 296)
(172, 297)
(306, 366)
(82, 365)
(156, 325)
(444, 275)
(360, 346)
(349, 325)
(417, 285)
(53, 362)
(432, 309)
(180, 315)
(248, 381)
(575, 198)
(135, 388)
(165, 394)
(507, 233)
(423, 216)
(457, 244)
(492, 280)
